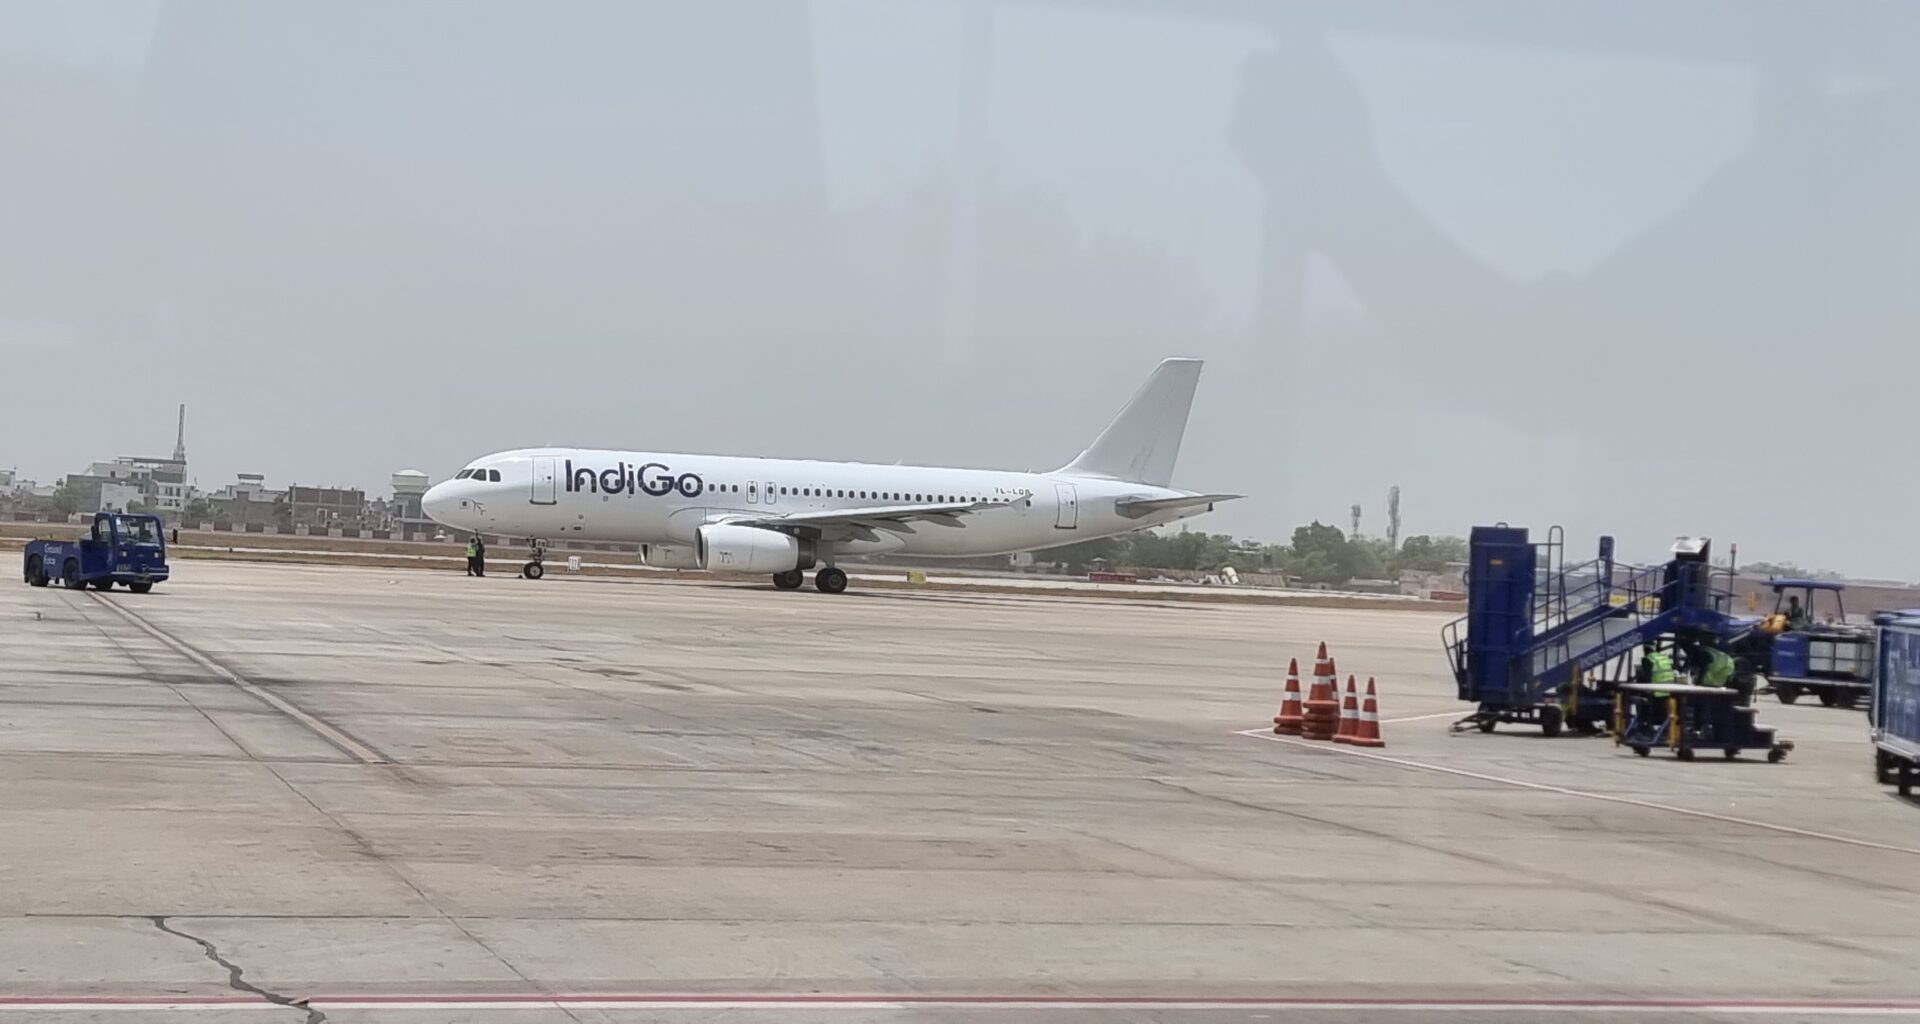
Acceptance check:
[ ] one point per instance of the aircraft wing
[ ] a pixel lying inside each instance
(1136, 508)
(862, 523)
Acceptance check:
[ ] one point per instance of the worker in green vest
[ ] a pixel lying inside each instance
(1657, 666)
(1716, 667)
(473, 555)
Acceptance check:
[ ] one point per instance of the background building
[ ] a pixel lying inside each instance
(327, 506)
(111, 497)
(404, 512)
(248, 500)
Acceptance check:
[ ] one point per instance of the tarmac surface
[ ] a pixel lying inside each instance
(416, 796)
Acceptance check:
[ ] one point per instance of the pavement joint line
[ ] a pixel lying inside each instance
(1421, 718)
(707, 1002)
(1544, 787)
(339, 740)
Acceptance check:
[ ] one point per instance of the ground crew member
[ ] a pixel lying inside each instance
(1797, 617)
(1658, 668)
(473, 555)
(1716, 667)
(479, 556)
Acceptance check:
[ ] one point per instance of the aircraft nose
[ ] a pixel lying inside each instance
(438, 503)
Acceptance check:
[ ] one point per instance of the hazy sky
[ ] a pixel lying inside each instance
(1629, 266)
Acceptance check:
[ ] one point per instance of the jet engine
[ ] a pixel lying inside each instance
(725, 548)
(670, 556)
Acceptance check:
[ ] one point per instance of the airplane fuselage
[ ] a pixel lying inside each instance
(660, 498)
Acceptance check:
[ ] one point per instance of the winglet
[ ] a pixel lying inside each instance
(1141, 443)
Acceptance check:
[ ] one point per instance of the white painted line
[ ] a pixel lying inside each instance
(345, 743)
(1579, 793)
(707, 1004)
(1423, 718)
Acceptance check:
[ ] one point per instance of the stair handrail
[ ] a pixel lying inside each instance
(1634, 592)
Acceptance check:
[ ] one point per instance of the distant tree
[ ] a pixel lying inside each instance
(1317, 537)
(199, 510)
(1374, 554)
(1453, 550)
(1361, 562)
(64, 501)
(1422, 553)
(1320, 554)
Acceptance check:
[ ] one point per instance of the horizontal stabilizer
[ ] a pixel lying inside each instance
(1138, 508)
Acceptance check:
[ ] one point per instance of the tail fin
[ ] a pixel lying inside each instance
(1141, 443)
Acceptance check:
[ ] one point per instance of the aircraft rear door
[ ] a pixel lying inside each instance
(1068, 516)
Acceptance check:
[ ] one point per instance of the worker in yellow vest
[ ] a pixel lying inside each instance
(473, 555)
(1657, 666)
(1715, 668)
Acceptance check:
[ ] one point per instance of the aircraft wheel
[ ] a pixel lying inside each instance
(789, 580)
(533, 570)
(830, 580)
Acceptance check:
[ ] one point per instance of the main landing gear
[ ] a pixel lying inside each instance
(535, 567)
(830, 579)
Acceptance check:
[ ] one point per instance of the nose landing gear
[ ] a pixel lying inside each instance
(535, 567)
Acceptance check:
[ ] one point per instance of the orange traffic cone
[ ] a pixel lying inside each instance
(1369, 729)
(1288, 721)
(1349, 714)
(1322, 715)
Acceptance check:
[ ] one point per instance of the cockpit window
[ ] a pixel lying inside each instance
(463, 474)
(493, 476)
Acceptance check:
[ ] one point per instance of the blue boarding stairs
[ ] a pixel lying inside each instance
(1547, 643)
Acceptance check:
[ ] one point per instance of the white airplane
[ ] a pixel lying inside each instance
(784, 516)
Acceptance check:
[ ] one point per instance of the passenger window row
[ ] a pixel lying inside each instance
(834, 492)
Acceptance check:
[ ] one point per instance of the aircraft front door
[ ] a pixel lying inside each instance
(1068, 516)
(544, 485)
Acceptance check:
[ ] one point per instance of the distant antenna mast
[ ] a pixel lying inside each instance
(1356, 522)
(180, 439)
(1393, 518)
